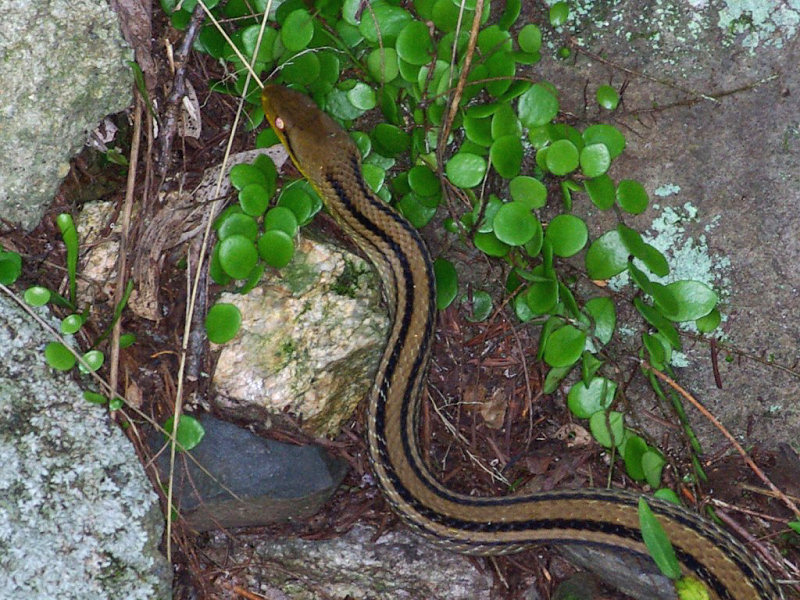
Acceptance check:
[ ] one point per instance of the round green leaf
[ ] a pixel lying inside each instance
(505, 122)
(382, 64)
(602, 191)
(632, 196)
(595, 160)
(390, 140)
(564, 346)
(528, 190)
(238, 224)
(708, 323)
(446, 282)
(465, 170)
(632, 451)
(501, 67)
(490, 245)
(237, 256)
(415, 210)
(605, 134)
(561, 157)
(414, 43)
(298, 201)
(608, 434)
(530, 38)
(537, 106)
(602, 312)
(253, 199)
(424, 181)
(94, 360)
(584, 400)
(607, 97)
(478, 129)
(693, 298)
(481, 303)
(514, 224)
(222, 322)
(506, 156)
(188, 434)
(607, 256)
(374, 176)
(568, 235)
(71, 324)
(281, 218)
(362, 96)
(37, 295)
(59, 357)
(246, 174)
(542, 296)
(302, 68)
(127, 339)
(297, 30)
(276, 248)
(559, 13)
(10, 267)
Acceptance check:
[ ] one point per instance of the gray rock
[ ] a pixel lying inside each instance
(271, 481)
(395, 566)
(64, 68)
(78, 518)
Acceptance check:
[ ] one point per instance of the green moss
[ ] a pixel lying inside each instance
(349, 281)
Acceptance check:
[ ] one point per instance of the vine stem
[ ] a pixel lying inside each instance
(707, 414)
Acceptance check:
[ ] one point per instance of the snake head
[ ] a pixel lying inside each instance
(314, 141)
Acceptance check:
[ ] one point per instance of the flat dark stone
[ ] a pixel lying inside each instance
(248, 481)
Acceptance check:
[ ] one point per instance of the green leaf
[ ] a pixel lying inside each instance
(589, 366)
(481, 305)
(10, 267)
(668, 495)
(37, 295)
(690, 588)
(607, 428)
(514, 224)
(632, 196)
(603, 313)
(559, 13)
(584, 400)
(528, 190)
(568, 235)
(59, 357)
(446, 282)
(382, 64)
(650, 256)
(632, 452)
(794, 525)
(414, 43)
(607, 256)
(276, 248)
(564, 346)
(238, 224)
(465, 170)
(708, 323)
(127, 339)
(562, 157)
(296, 199)
(657, 542)
(282, 219)
(71, 324)
(693, 298)
(188, 434)
(297, 30)
(94, 397)
(416, 209)
(506, 156)
(424, 181)
(542, 296)
(245, 174)
(237, 255)
(605, 134)
(490, 245)
(94, 360)
(654, 317)
(537, 106)
(652, 464)
(70, 236)
(602, 191)
(595, 160)
(607, 97)
(390, 140)
(253, 199)
(222, 322)
(529, 38)
(362, 96)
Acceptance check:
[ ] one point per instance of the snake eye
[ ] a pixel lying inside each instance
(279, 123)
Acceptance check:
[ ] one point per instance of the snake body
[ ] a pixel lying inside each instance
(327, 156)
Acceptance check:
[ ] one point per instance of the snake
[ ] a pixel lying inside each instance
(326, 155)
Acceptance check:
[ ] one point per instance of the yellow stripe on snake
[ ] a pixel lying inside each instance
(328, 158)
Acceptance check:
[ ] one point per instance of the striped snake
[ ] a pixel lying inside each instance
(329, 159)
